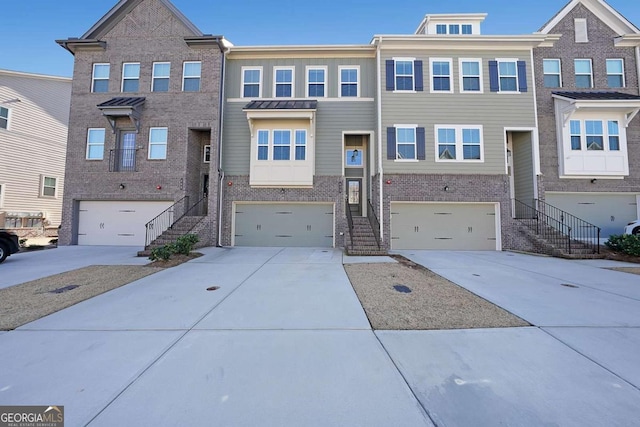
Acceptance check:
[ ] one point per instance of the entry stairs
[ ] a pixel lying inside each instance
(362, 241)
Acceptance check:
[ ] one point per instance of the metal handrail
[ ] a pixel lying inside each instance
(162, 222)
(582, 231)
(123, 160)
(349, 219)
(373, 220)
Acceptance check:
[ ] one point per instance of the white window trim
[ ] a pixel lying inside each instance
(459, 144)
(307, 82)
(184, 76)
(124, 64)
(461, 79)
(415, 143)
(42, 186)
(153, 74)
(295, 145)
(3, 189)
(515, 61)
(258, 145)
(559, 74)
(575, 72)
(340, 82)
(624, 80)
(89, 144)
(251, 68)
(413, 75)
(166, 143)
(204, 154)
(580, 22)
(8, 118)
(93, 75)
(293, 81)
(432, 75)
(454, 25)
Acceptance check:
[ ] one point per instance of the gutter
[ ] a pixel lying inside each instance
(224, 51)
(379, 108)
(638, 65)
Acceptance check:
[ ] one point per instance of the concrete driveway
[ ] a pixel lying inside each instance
(284, 341)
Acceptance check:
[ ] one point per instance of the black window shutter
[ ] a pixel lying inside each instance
(522, 76)
(391, 75)
(494, 82)
(391, 143)
(417, 69)
(420, 144)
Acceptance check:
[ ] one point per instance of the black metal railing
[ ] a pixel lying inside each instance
(349, 218)
(165, 220)
(373, 220)
(123, 160)
(559, 228)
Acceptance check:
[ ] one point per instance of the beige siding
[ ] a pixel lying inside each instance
(35, 143)
(494, 111)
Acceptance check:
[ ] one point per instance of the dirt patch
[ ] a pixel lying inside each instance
(174, 260)
(632, 270)
(618, 256)
(407, 296)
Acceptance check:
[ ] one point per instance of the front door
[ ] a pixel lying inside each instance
(354, 192)
(127, 152)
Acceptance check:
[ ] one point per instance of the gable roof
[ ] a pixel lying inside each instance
(611, 17)
(120, 10)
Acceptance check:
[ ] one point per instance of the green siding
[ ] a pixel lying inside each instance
(494, 111)
(523, 167)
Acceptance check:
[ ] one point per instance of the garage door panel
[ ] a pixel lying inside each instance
(443, 226)
(293, 225)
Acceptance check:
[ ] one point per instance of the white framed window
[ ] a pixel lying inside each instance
(508, 75)
(471, 75)
(598, 135)
(404, 75)
(191, 76)
(2, 187)
(160, 76)
(263, 144)
(581, 30)
(584, 73)
(4, 118)
(251, 82)
(281, 144)
(353, 157)
(615, 73)
(576, 135)
(316, 82)
(349, 81)
(95, 143)
(406, 147)
(300, 144)
(459, 143)
(441, 29)
(467, 29)
(441, 74)
(283, 82)
(454, 29)
(206, 155)
(100, 78)
(49, 186)
(552, 71)
(131, 77)
(158, 138)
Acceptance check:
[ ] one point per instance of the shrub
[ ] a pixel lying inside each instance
(626, 243)
(163, 252)
(21, 242)
(184, 244)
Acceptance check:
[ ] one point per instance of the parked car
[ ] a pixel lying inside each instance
(633, 228)
(8, 244)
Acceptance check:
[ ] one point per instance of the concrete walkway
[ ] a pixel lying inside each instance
(284, 341)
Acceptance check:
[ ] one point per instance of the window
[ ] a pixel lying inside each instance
(48, 186)
(95, 144)
(615, 72)
(252, 82)
(507, 73)
(593, 132)
(283, 83)
(576, 135)
(316, 82)
(301, 144)
(467, 29)
(191, 75)
(441, 29)
(100, 78)
(349, 86)
(1, 195)
(263, 145)
(404, 75)
(581, 33)
(4, 118)
(552, 74)
(471, 75)
(158, 143)
(160, 77)
(614, 135)
(281, 144)
(353, 157)
(405, 143)
(459, 143)
(584, 78)
(206, 156)
(441, 75)
(595, 135)
(131, 77)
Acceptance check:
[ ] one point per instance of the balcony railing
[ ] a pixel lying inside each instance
(123, 160)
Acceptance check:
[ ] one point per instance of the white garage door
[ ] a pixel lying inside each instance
(610, 212)
(444, 226)
(116, 223)
(284, 224)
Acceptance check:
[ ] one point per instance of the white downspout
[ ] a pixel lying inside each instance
(379, 107)
(220, 131)
(638, 65)
(535, 140)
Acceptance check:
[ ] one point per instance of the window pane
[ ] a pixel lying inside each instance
(471, 136)
(349, 90)
(508, 84)
(263, 153)
(50, 182)
(281, 152)
(471, 83)
(446, 136)
(583, 81)
(594, 143)
(251, 91)
(161, 70)
(406, 135)
(406, 151)
(131, 71)
(316, 90)
(130, 86)
(301, 137)
(454, 29)
(471, 152)
(583, 66)
(283, 76)
(158, 151)
(614, 143)
(576, 144)
(441, 29)
(551, 66)
(158, 135)
(101, 71)
(252, 76)
(575, 127)
(316, 76)
(441, 68)
(95, 152)
(447, 152)
(404, 67)
(404, 83)
(160, 85)
(614, 66)
(467, 29)
(101, 85)
(300, 152)
(192, 69)
(192, 84)
(507, 68)
(353, 157)
(551, 81)
(48, 191)
(470, 69)
(613, 128)
(96, 136)
(283, 90)
(349, 75)
(615, 81)
(593, 127)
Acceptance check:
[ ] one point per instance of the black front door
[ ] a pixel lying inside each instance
(354, 193)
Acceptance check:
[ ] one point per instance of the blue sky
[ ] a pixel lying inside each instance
(28, 28)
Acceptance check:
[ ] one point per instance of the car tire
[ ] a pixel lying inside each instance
(636, 231)
(4, 252)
